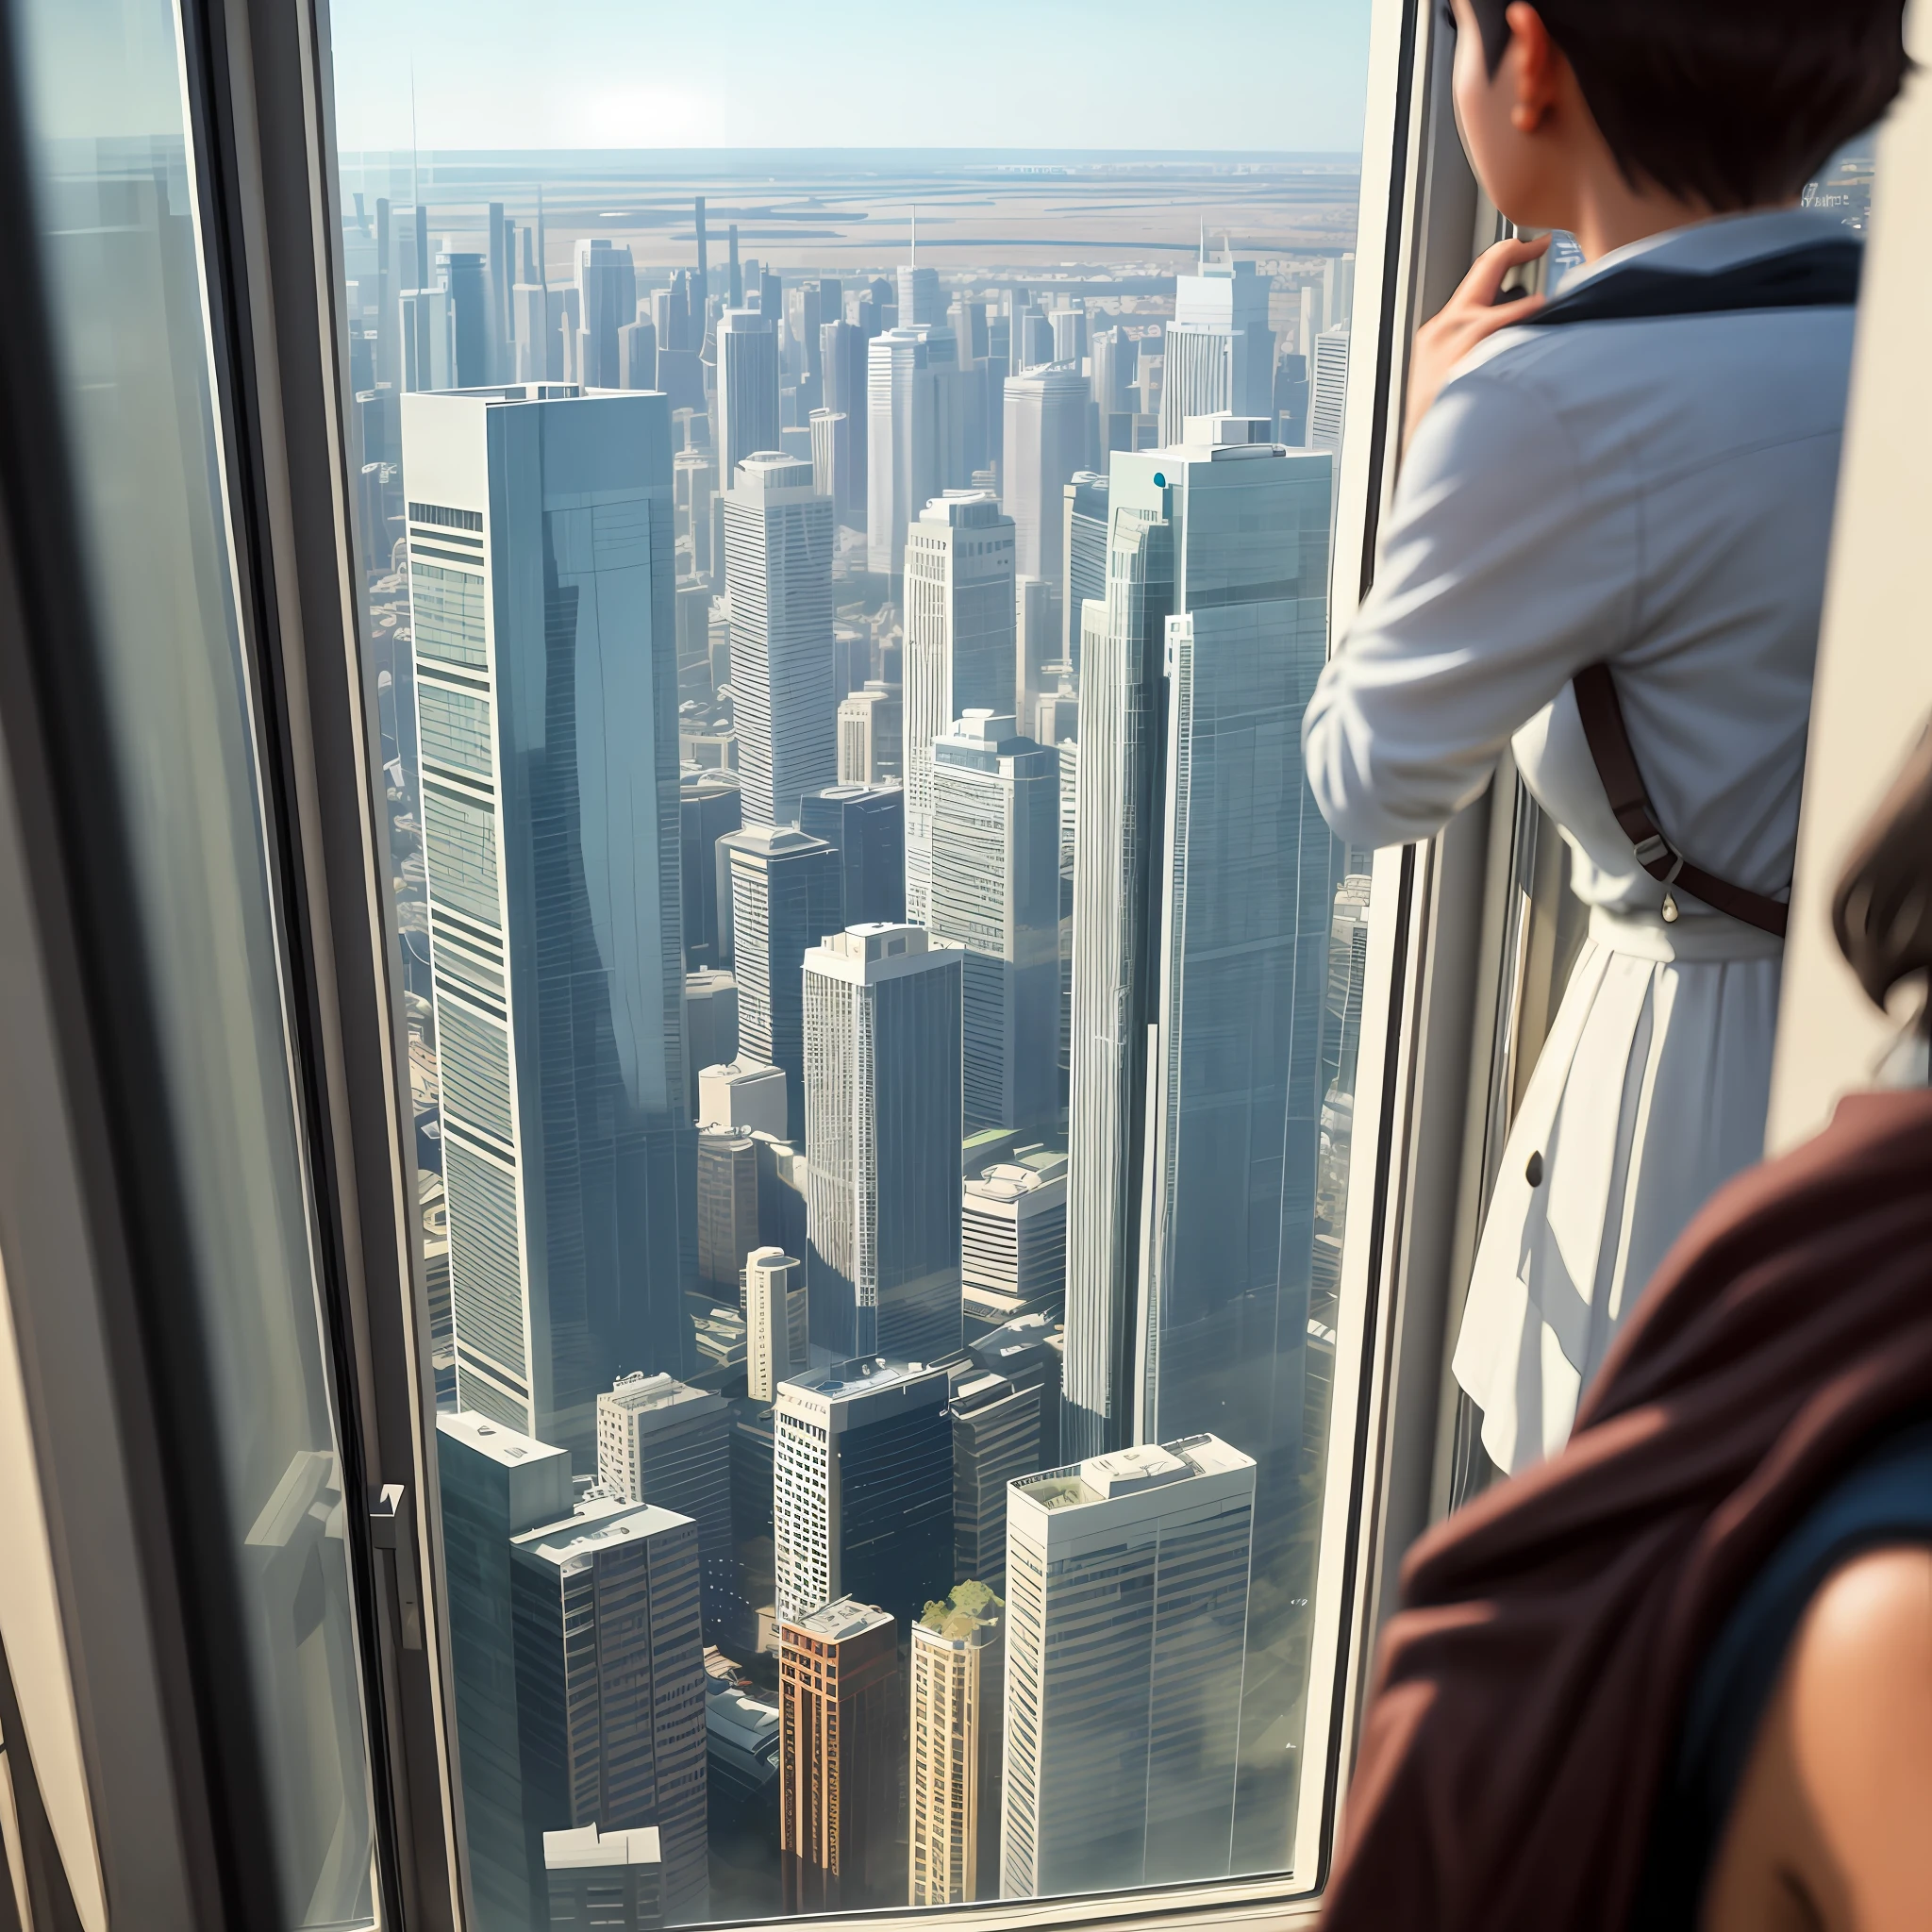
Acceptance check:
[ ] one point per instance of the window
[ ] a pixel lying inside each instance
(845, 538)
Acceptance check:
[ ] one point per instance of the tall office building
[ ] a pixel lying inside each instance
(743, 1096)
(428, 339)
(1083, 548)
(843, 374)
(1328, 390)
(902, 444)
(920, 300)
(711, 1025)
(728, 1209)
(607, 302)
(1117, 813)
(959, 1694)
(613, 1880)
(661, 1441)
(1013, 1241)
(1038, 641)
(778, 572)
(1243, 1051)
(996, 1435)
(637, 355)
(842, 1762)
(882, 1068)
(959, 647)
(747, 407)
(610, 1681)
(1122, 1728)
(836, 473)
(1220, 349)
(867, 824)
(785, 892)
(996, 888)
(495, 1483)
(862, 1486)
(546, 691)
(870, 735)
(775, 1322)
(1115, 359)
(473, 322)
(1046, 444)
(1027, 1353)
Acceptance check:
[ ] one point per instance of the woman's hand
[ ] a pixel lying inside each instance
(1470, 316)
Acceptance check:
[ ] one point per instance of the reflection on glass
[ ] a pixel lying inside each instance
(117, 224)
(946, 533)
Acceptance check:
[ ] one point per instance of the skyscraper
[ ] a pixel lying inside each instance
(996, 888)
(775, 1322)
(778, 571)
(1013, 1241)
(870, 734)
(908, 427)
(747, 414)
(428, 339)
(1122, 1728)
(960, 649)
(996, 1437)
(661, 1441)
(1117, 813)
(494, 1483)
(546, 691)
(836, 472)
(959, 1694)
(1220, 350)
(1085, 550)
(727, 1209)
(710, 805)
(607, 302)
(841, 1761)
(613, 1880)
(785, 889)
(474, 320)
(862, 1486)
(882, 1067)
(867, 824)
(1243, 1051)
(1045, 443)
(610, 1681)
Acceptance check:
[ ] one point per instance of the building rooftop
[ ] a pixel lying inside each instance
(639, 1391)
(1132, 1472)
(565, 1851)
(862, 1376)
(501, 1445)
(967, 1608)
(598, 1524)
(835, 1622)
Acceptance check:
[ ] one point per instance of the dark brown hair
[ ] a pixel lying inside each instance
(1735, 103)
(1883, 909)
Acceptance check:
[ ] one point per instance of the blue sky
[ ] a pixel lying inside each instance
(1078, 73)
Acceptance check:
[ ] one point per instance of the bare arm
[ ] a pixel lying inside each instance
(1832, 1827)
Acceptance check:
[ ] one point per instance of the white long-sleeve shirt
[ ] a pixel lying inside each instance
(1657, 492)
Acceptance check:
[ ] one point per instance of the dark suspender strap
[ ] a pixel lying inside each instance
(1602, 712)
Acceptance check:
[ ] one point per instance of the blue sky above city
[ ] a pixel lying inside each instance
(1219, 74)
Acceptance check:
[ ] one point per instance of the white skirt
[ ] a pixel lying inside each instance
(1650, 1093)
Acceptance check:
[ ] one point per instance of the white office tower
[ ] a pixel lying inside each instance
(611, 1879)
(996, 892)
(661, 1441)
(1121, 1727)
(1220, 350)
(882, 1109)
(609, 1648)
(548, 332)
(836, 471)
(1046, 444)
(1013, 1243)
(743, 1095)
(1037, 642)
(1338, 290)
(778, 574)
(1115, 821)
(914, 422)
(776, 1322)
(542, 597)
(954, 1721)
(1310, 320)
(747, 406)
(920, 300)
(607, 302)
(1328, 390)
(959, 647)
(870, 735)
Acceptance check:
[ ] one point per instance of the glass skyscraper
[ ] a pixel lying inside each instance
(546, 687)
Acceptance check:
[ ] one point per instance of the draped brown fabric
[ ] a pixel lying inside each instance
(1527, 1697)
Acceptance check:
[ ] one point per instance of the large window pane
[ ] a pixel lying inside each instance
(121, 258)
(846, 518)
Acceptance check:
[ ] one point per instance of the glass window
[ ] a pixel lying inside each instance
(115, 208)
(845, 525)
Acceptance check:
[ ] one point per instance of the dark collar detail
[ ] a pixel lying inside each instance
(1821, 275)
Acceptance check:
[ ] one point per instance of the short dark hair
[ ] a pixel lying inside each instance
(1736, 102)
(1882, 911)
